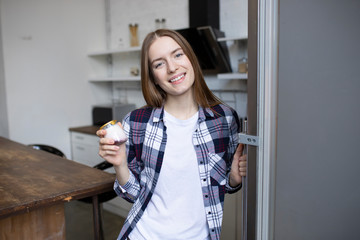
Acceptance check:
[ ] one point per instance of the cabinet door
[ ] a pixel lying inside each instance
(85, 149)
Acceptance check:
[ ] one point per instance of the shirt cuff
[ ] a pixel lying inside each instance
(125, 188)
(231, 189)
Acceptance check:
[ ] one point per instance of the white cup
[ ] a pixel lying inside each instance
(115, 132)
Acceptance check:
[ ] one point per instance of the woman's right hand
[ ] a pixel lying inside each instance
(113, 154)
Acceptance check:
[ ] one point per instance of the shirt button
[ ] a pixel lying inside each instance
(213, 230)
(201, 162)
(204, 179)
(206, 196)
(209, 212)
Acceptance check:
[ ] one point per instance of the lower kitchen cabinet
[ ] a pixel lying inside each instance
(85, 150)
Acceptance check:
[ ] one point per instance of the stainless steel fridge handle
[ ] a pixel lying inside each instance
(243, 139)
(247, 140)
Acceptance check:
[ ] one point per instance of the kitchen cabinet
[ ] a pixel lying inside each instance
(84, 150)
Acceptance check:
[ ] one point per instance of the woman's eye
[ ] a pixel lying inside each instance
(179, 54)
(157, 65)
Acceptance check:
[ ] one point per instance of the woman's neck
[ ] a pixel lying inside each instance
(181, 108)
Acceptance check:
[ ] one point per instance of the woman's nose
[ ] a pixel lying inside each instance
(172, 66)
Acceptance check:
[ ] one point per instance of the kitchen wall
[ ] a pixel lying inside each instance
(233, 17)
(45, 43)
(45, 46)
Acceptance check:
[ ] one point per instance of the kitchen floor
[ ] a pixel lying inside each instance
(79, 222)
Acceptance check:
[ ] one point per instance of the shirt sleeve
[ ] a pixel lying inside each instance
(131, 189)
(233, 122)
(126, 191)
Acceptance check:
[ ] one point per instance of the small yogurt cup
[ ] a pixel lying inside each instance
(114, 131)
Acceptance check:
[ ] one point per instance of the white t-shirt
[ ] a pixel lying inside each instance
(176, 209)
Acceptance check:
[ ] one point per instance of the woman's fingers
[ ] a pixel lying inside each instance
(106, 141)
(242, 165)
(112, 153)
(239, 151)
(108, 145)
(101, 133)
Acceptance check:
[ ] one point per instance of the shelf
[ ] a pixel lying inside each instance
(114, 51)
(115, 79)
(242, 76)
(232, 39)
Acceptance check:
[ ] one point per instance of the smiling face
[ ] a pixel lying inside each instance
(171, 68)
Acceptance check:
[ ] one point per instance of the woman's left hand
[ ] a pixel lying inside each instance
(238, 167)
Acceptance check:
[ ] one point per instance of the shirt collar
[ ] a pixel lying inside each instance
(158, 114)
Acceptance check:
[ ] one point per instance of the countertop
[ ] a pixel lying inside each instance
(85, 129)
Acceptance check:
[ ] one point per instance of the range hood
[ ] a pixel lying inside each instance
(213, 56)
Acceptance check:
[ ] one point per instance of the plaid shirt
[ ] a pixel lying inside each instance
(215, 140)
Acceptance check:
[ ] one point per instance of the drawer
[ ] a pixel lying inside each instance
(86, 154)
(84, 138)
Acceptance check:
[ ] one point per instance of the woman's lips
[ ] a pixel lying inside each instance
(177, 78)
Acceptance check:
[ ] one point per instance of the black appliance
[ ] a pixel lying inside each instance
(213, 56)
(102, 114)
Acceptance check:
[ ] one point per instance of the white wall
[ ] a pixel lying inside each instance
(45, 43)
(233, 17)
(144, 14)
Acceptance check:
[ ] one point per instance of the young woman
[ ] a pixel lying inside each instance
(182, 153)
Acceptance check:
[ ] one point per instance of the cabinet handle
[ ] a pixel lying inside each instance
(80, 148)
(79, 137)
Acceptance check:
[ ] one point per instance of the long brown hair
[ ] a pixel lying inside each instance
(153, 94)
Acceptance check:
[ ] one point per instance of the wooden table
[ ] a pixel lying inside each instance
(34, 185)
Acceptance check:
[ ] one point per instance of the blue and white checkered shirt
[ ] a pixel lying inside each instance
(215, 140)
